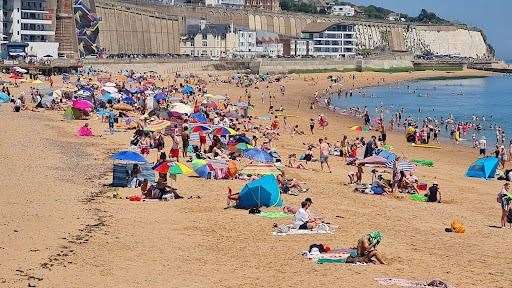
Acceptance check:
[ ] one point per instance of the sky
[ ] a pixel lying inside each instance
(489, 15)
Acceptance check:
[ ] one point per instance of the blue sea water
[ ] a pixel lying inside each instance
(489, 97)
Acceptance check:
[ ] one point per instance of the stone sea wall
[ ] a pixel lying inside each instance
(132, 26)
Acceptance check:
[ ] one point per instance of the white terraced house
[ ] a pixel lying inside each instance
(334, 40)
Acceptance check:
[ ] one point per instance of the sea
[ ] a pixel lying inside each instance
(489, 99)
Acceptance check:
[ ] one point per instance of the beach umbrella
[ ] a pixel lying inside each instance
(160, 96)
(83, 105)
(109, 89)
(180, 168)
(375, 160)
(223, 131)
(406, 166)
(162, 167)
(187, 90)
(242, 139)
(258, 155)
(83, 92)
(107, 97)
(129, 100)
(181, 108)
(4, 98)
(356, 128)
(20, 70)
(201, 168)
(215, 97)
(199, 128)
(240, 147)
(128, 156)
(199, 117)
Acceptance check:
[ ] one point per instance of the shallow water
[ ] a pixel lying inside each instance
(489, 98)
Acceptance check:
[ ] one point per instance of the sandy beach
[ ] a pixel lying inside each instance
(62, 228)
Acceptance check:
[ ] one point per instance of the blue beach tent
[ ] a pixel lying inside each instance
(483, 168)
(260, 192)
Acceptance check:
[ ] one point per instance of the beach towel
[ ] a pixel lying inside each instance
(411, 284)
(418, 198)
(339, 255)
(424, 163)
(274, 214)
(289, 230)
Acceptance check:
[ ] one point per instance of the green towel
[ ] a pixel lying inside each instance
(418, 198)
(274, 214)
(328, 260)
(425, 163)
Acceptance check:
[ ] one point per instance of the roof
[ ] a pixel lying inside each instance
(316, 27)
(214, 29)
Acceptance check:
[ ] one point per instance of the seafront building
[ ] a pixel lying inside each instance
(342, 10)
(209, 40)
(336, 40)
(28, 28)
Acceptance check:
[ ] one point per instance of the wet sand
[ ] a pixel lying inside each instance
(55, 197)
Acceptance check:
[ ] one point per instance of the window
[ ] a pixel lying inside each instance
(204, 43)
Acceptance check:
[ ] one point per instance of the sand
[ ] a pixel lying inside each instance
(61, 228)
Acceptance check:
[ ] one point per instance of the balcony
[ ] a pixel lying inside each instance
(36, 21)
(38, 32)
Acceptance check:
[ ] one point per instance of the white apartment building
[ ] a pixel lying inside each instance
(343, 10)
(253, 44)
(301, 47)
(336, 40)
(31, 22)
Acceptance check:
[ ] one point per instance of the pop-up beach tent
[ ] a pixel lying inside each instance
(483, 168)
(260, 192)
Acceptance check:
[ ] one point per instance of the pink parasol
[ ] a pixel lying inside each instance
(83, 105)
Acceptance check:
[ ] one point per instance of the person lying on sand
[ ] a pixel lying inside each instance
(367, 250)
(287, 184)
(158, 190)
(294, 163)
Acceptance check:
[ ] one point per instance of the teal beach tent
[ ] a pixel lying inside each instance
(483, 168)
(260, 192)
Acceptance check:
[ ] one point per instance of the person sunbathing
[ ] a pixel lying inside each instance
(294, 163)
(288, 184)
(367, 250)
(158, 190)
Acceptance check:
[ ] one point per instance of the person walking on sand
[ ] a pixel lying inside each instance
(504, 198)
(111, 122)
(312, 125)
(324, 154)
(482, 144)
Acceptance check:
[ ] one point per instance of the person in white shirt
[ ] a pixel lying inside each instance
(482, 144)
(302, 218)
